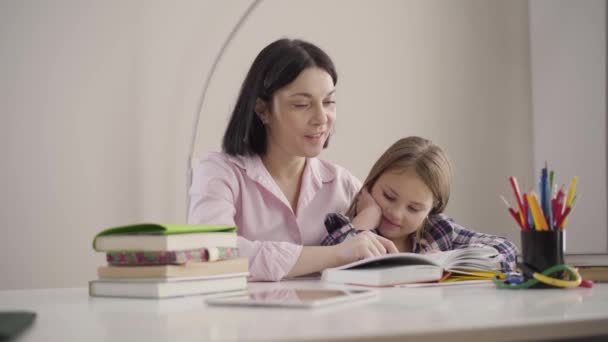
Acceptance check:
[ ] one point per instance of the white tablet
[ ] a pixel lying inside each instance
(298, 298)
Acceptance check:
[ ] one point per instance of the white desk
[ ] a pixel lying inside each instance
(435, 314)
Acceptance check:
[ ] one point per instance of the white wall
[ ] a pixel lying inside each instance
(454, 71)
(569, 94)
(97, 102)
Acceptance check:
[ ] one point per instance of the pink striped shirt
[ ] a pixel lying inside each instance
(240, 191)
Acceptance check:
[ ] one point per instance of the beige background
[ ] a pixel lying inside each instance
(98, 100)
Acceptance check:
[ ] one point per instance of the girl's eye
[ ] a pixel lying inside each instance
(413, 210)
(300, 105)
(388, 197)
(329, 102)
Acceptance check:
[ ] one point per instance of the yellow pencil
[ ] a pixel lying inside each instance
(533, 209)
(562, 226)
(571, 191)
(570, 198)
(541, 214)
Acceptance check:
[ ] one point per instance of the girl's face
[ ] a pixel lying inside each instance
(405, 202)
(302, 115)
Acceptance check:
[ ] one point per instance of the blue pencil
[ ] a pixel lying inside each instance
(549, 197)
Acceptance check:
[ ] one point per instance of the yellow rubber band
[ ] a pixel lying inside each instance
(558, 282)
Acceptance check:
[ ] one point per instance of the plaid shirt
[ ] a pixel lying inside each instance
(440, 234)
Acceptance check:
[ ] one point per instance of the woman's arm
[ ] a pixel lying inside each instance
(214, 192)
(315, 259)
(363, 245)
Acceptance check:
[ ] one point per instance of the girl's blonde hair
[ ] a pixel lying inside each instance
(420, 155)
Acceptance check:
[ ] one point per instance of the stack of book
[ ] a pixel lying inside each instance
(160, 261)
(592, 267)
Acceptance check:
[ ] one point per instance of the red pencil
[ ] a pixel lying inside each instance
(555, 210)
(526, 209)
(520, 204)
(512, 211)
(563, 217)
(516, 217)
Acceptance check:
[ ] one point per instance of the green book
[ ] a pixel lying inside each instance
(162, 235)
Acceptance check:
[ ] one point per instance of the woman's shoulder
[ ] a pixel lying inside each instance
(220, 165)
(330, 171)
(224, 160)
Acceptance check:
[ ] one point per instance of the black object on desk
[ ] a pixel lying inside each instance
(12, 323)
(542, 250)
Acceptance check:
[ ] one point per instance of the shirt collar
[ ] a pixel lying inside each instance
(315, 174)
(320, 171)
(256, 170)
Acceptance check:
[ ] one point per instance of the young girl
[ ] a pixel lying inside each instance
(403, 199)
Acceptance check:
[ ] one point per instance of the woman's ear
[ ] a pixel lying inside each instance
(261, 110)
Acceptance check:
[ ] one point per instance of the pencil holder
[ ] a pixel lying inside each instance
(541, 250)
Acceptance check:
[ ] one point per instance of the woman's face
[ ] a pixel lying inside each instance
(405, 202)
(302, 114)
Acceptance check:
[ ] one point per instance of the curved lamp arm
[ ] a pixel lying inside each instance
(201, 101)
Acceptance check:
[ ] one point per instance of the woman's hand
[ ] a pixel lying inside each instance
(369, 212)
(364, 245)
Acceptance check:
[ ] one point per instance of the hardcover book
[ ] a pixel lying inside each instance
(133, 258)
(166, 288)
(164, 237)
(193, 269)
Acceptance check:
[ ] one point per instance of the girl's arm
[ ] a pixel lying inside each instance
(367, 217)
(468, 238)
(367, 212)
(461, 237)
(343, 244)
(340, 227)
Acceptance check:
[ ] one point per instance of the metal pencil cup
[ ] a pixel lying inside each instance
(542, 250)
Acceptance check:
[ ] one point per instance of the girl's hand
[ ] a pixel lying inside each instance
(368, 211)
(364, 245)
(365, 200)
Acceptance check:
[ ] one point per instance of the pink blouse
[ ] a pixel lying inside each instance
(240, 191)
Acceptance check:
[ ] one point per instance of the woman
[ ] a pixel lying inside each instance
(268, 181)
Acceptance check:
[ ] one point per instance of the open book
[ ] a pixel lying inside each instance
(403, 268)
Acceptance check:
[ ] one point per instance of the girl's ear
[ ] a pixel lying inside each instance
(435, 209)
(420, 232)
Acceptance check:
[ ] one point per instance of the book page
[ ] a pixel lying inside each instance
(392, 259)
(474, 258)
(441, 258)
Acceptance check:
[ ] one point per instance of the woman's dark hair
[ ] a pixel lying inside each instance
(277, 65)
